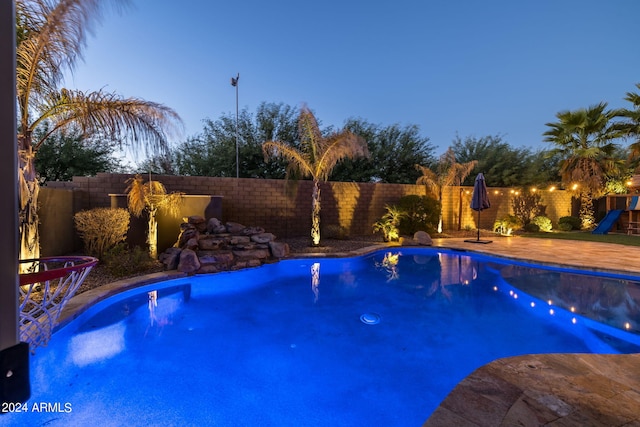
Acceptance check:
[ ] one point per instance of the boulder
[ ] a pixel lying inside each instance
(279, 249)
(214, 226)
(209, 243)
(189, 262)
(235, 228)
(250, 231)
(170, 258)
(422, 238)
(263, 238)
(252, 253)
(198, 222)
(240, 240)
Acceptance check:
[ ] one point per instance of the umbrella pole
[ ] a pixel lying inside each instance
(479, 210)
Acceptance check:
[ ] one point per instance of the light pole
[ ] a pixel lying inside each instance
(234, 83)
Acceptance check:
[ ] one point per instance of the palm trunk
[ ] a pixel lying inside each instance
(587, 216)
(315, 214)
(28, 203)
(152, 234)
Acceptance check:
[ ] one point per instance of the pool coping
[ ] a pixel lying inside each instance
(570, 389)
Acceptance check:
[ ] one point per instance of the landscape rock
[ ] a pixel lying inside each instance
(422, 238)
(263, 238)
(189, 262)
(234, 228)
(170, 258)
(279, 249)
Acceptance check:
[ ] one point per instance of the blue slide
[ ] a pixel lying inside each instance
(607, 222)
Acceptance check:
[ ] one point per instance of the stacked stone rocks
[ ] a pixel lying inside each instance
(209, 246)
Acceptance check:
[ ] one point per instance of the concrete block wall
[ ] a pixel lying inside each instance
(284, 207)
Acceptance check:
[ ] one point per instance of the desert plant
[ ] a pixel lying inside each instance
(574, 221)
(507, 225)
(564, 226)
(526, 206)
(151, 196)
(421, 214)
(101, 228)
(389, 222)
(542, 222)
(122, 261)
(532, 228)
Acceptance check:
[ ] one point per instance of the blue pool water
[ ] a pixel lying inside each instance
(374, 340)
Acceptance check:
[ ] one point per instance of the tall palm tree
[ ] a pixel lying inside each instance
(630, 126)
(447, 172)
(50, 38)
(315, 158)
(583, 138)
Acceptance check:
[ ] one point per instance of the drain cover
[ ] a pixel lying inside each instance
(370, 318)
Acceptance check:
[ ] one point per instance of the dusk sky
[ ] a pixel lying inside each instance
(465, 67)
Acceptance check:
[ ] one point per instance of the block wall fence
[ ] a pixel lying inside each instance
(280, 207)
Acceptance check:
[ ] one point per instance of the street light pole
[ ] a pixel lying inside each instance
(234, 83)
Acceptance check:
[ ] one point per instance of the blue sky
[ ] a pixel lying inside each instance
(452, 67)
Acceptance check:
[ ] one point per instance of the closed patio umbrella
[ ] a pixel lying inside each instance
(479, 202)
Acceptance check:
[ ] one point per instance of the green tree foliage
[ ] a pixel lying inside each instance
(64, 155)
(629, 127)
(504, 165)
(213, 152)
(584, 140)
(394, 152)
(421, 214)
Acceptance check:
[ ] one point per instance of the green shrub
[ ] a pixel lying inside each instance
(101, 228)
(532, 228)
(120, 261)
(564, 226)
(573, 221)
(388, 224)
(527, 206)
(543, 222)
(334, 231)
(507, 225)
(421, 214)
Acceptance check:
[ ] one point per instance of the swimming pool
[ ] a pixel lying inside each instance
(373, 340)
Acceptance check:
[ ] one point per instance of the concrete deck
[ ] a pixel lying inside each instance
(552, 389)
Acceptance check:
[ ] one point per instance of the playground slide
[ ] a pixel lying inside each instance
(607, 222)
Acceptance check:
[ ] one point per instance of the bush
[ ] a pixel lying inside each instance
(507, 225)
(421, 214)
(120, 261)
(532, 228)
(573, 221)
(333, 231)
(564, 226)
(101, 228)
(543, 223)
(527, 206)
(388, 224)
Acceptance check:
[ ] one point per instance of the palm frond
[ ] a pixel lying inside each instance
(133, 119)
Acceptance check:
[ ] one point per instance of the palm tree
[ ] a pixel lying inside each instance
(50, 38)
(630, 127)
(584, 141)
(447, 172)
(315, 158)
(151, 196)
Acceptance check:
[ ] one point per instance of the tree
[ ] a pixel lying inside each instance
(630, 126)
(583, 139)
(447, 172)
(50, 38)
(66, 154)
(212, 152)
(394, 151)
(151, 196)
(502, 165)
(316, 157)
